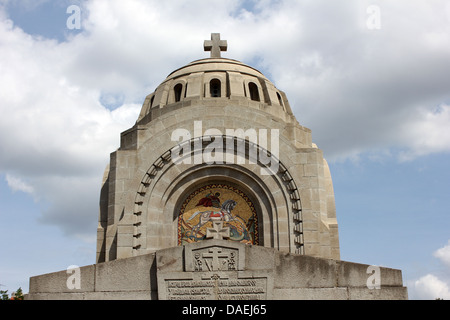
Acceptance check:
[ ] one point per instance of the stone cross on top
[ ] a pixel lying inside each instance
(215, 45)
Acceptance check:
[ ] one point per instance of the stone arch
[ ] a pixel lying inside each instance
(235, 178)
(165, 184)
(280, 100)
(215, 88)
(217, 78)
(253, 89)
(253, 92)
(148, 103)
(177, 92)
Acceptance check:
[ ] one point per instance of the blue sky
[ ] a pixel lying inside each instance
(40, 18)
(376, 100)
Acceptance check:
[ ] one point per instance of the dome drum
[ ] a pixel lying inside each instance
(210, 79)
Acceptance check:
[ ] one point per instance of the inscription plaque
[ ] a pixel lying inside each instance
(216, 287)
(210, 270)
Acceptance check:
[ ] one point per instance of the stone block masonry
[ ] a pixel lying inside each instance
(241, 272)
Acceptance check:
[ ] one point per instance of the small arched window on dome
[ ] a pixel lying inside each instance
(151, 101)
(254, 92)
(177, 90)
(215, 88)
(280, 100)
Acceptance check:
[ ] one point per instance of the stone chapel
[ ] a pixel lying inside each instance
(146, 197)
(217, 192)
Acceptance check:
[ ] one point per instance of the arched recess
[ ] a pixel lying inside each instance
(177, 91)
(215, 85)
(253, 89)
(166, 185)
(215, 88)
(223, 177)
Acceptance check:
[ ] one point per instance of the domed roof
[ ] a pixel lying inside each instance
(214, 78)
(215, 64)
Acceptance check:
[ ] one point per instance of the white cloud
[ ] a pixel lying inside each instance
(430, 287)
(16, 184)
(358, 90)
(443, 254)
(361, 90)
(55, 133)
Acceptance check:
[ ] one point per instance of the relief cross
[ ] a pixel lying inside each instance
(217, 231)
(216, 254)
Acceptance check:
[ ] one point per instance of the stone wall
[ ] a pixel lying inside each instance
(143, 187)
(256, 273)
